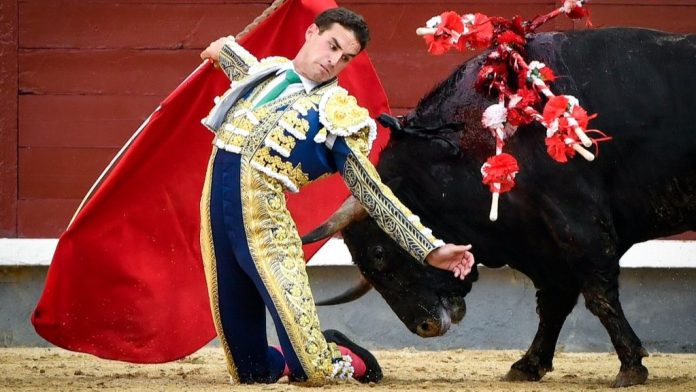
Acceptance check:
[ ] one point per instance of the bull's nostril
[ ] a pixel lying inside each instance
(428, 329)
(433, 326)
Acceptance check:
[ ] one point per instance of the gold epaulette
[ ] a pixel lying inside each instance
(341, 115)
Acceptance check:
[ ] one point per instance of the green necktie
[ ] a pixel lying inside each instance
(290, 78)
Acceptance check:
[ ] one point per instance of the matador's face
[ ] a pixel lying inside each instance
(325, 54)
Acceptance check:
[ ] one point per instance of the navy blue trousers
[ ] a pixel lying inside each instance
(242, 298)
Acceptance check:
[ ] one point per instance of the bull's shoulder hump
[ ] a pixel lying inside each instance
(578, 45)
(616, 34)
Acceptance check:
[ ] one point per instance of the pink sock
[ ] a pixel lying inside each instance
(286, 370)
(359, 367)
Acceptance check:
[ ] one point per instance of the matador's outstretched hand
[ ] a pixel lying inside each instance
(450, 257)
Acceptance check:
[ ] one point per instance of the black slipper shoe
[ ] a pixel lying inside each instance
(373, 372)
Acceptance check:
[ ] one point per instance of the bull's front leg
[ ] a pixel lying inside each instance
(602, 299)
(553, 307)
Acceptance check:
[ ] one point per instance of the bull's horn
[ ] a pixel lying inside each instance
(353, 293)
(351, 210)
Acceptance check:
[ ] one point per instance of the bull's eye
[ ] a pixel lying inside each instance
(377, 253)
(377, 258)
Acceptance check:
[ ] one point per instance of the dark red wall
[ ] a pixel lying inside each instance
(8, 118)
(77, 78)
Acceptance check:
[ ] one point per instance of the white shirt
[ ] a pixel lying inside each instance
(306, 84)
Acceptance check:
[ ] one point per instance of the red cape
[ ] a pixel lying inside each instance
(126, 281)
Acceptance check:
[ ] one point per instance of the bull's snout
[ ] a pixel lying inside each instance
(434, 326)
(456, 308)
(452, 310)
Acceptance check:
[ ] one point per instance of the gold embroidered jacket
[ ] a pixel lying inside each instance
(303, 136)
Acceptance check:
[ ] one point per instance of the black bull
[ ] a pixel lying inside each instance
(564, 226)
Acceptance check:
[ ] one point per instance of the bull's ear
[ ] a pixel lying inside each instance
(390, 122)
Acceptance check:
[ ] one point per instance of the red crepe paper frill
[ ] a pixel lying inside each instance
(500, 169)
(540, 70)
(547, 74)
(490, 76)
(509, 37)
(449, 27)
(519, 86)
(578, 13)
(574, 9)
(480, 32)
(556, 109)
(557, 148)
(518, 113)
(471, 31)
(580, 115)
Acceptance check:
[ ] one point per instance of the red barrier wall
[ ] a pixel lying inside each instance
(77, 78)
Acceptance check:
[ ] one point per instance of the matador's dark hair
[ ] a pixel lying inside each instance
(346, 18)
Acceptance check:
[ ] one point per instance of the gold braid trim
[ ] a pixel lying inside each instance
(280, 142)
(294, 124)
(235, 60)
(238, 125)
(303, 105)
(390, 214)
(276, 250)
(209, 264)
(292, 177)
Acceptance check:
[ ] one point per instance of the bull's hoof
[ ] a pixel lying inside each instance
(634, 376)
(516, 375)
(528, 368)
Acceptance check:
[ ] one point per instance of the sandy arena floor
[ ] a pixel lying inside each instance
(33, 369)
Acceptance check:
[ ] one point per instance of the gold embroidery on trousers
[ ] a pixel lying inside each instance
(210, 266)
(276, 250)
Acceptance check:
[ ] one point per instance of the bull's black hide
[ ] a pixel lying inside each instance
(564, 226)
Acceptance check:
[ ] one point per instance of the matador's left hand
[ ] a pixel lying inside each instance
(450, 257)
(212, 52)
